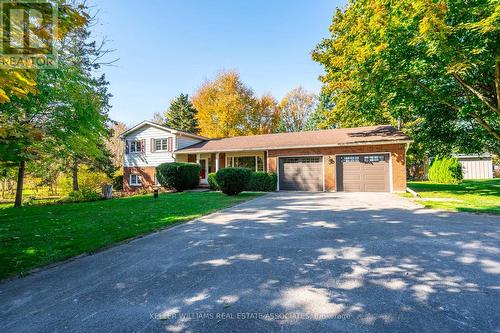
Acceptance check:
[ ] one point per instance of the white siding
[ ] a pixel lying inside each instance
(184, 141)
(477, 168)
(149, 158)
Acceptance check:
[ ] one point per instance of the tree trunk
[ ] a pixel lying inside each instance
(75, 176)
(4, 184)
(19, 189)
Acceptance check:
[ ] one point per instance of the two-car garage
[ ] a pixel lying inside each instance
(353, 173)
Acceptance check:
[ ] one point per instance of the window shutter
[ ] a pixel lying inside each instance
(169, 144)
(153, 146)
(143, 145)
(127, 147)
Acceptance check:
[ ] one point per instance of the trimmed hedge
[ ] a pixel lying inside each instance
(233, 181)
(212, 182)
(263, 182)
(446, 171)
(178, 176)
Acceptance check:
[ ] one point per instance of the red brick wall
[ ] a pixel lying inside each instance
(222, 160)
(147, 174)
(398, 159)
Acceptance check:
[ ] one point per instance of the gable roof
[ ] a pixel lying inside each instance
(168, 129)
(382, 134)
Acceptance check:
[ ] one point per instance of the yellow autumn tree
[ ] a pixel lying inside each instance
(227, 107)
(264, 117)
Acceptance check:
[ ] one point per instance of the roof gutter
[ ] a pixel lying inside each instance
(372, 143)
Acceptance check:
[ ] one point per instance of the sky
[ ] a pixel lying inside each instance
(168, 47)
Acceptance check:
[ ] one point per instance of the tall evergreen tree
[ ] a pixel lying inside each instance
(181, 115)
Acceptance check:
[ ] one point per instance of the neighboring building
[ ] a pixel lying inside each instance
(365, 159)
(476, 166)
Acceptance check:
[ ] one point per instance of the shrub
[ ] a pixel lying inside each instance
(262, 182)
(84, 194)
(233, 180)
(118, 183)
(446, 170)
(212, 182)
(178, 176)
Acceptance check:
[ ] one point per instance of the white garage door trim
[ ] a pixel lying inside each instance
(313, 155)
(391, 180)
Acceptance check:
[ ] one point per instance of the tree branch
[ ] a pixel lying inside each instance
(474, 115)
(477, 93)
(433, 93)
(485, 125)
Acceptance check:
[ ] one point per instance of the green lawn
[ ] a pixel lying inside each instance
(38, 235)
(478, 196)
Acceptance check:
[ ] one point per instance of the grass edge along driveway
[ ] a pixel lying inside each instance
(474, 196)
(39, 235)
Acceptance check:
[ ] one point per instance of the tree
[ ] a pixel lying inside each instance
(68, 115)
(181, 115)
(92, 98)
(158, 118)
(319, 119)
(115, 144)
(418, 61)
(223, 106)
(296, 108)
(7, 179)
(21, 82)
(264, 116)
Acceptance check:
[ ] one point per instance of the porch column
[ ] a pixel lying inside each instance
(197, 158)
(216, 162)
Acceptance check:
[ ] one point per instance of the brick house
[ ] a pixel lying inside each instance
(364, 159)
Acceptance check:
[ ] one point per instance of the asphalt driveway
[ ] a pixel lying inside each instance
(286, 262)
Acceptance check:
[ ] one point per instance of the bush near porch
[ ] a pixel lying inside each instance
(233, 181)
(263, 182)
(212, 182)
(178, 176)
(259, 182)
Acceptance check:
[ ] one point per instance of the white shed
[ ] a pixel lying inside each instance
(476, 166)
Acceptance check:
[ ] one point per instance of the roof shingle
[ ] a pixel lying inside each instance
(322, 138)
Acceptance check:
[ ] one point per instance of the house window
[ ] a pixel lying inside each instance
(135, 180)
(161, 144)
(254, 163)
(135, 146)
(374, 158)
(349, 159)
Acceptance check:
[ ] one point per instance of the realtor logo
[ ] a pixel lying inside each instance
(28, 34)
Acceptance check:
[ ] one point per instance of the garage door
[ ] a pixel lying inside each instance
(363, 173)
(301, 173)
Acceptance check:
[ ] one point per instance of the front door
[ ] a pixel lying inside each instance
(203, 172)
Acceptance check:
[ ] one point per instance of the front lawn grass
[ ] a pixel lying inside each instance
(39, 235)
(477, 196)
